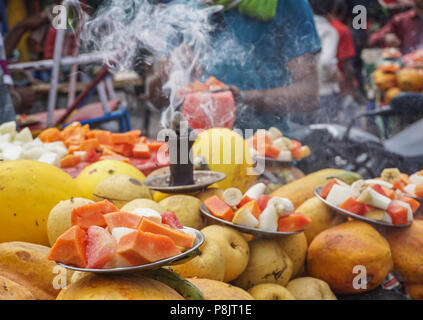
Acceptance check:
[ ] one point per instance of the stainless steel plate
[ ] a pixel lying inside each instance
(202, 179)
(244, 229)
(356, 216)
(180, 258)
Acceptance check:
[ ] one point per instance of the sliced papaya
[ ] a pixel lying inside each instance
(219, 208)
(128, 138)
(179, 237)
(92, 214)
(414, 204)
(141, 150)
(69, 161)
(353, 206)
(292, 222)
(51, 135)
(253, 207)
(134, 249)
(69, 248)
(122, 220)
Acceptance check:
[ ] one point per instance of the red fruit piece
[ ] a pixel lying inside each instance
(171, 220)
(292, 222)
(101, 247)
(263, 200)
(353, 206)
(69, 248)
(244, 201)
(398, 213)
(380, 190)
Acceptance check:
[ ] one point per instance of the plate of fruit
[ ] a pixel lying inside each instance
(105, 240)
(255, 212)
(378, 201)
(274, 147)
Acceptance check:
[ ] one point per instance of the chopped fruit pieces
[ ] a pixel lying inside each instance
(141, 150)
(70, 161)
(292, 222)
(263, 200)
(419, 191)
(324, 192)
(219, 208)
(253, 208)
(353, 206)
(69, 248)
(414, 204)
(122, 220)
(92, 214)
(101, 247)
(170, 219)
(398, 213)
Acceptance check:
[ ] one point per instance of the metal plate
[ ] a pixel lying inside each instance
(178, 259)
(244, 229)
(356, 216)
(202, 179)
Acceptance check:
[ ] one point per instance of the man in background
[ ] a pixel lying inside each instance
(403, 31)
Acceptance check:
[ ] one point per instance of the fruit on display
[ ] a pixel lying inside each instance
(21, 145)
(407, 251)
(273, 144)
(384, 80)
(90, 177)
(186, 208)
(254, 209)
(234, 247)
(415, 291)
(122, 287)
(391, 94)
(102, 237)
(308, 288)
(303, 189)
(224, 150)
(10, 290)
(29, 190)
(410, 80)
(268, 263)
(209, 264)
(59, 218)
(321, 217)
(376, 199)
(26, 264)
(270, 291)
(208, 105)
(120, 189)
(217, 290)
(142, 203)
(335, 252)
(295, 247)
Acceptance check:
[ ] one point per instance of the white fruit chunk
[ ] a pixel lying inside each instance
(283, 144)
(274, 133)
(285, 155)
(268, 219)
(189, 232)
(232, 196)
(339, 194)
(255, 191)
(81, 154)
(8, 127)
(410, 189)
(6, 138)
(24, 136)
(119, 232)
(245, 218)
(358, 187)
(50, 158)
(416, 179)
(382, 183)
(33, 153)
(283, 206)
(12, 152)
(374, 198)
(148, 213)
(387, 218)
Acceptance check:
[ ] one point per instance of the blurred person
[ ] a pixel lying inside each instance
(7, 111)
(329, 75)
(279, 74)
(403, 31)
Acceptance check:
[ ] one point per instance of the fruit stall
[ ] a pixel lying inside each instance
(85, 216)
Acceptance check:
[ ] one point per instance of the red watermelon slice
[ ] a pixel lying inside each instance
(205, 110)
(101, 247)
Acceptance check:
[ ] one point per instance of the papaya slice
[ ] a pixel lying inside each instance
(263, 200)
(133, 247)
(171, 220)
(292, 222)
(69, 248)
(51, 135)
(141, 150)
(128, 138)
(123, 149)
(69, 161)
(102, 136)
(414, 204)
(179, 237)
(353, 206)
(324, 192)
(244, 201)
(122, 220)
(92, 214)
(419, 191)
(398, 213)
(101, 247)
(89, 143)
(219, 208)
(296, 150)
(268, 151)
(155, 145)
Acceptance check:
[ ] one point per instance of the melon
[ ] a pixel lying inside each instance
(206, 110)
(28, 192)
(98, 171)
(101, 247)
(171, 220)
(132, 247)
